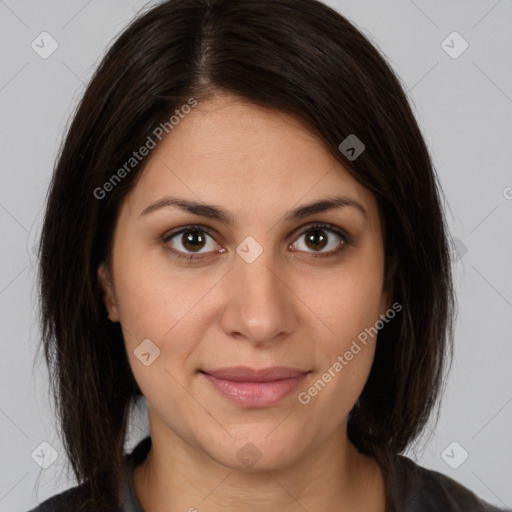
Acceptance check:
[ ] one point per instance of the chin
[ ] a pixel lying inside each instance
(257, 451)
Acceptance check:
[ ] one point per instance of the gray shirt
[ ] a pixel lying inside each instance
(415, 489)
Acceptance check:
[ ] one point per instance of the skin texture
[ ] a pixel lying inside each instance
(285, 308)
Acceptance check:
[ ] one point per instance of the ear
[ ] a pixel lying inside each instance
(105, 280)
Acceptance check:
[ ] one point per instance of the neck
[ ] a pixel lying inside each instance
(176, 476)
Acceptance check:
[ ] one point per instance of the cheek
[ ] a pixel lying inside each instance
(157, 342)
(345, 360)
(349, 301)
(149, 303)
(349, 304)
(142, 308)
(161, 313)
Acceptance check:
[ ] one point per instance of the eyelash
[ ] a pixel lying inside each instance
(346, 240)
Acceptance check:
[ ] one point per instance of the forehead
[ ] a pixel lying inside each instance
(232, 152)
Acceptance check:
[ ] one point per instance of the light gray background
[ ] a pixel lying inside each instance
(464, 107)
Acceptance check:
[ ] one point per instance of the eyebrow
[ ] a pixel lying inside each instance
(217, 213)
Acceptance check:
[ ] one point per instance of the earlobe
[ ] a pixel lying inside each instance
(108, 292)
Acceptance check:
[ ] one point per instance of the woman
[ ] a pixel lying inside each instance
(244, 227)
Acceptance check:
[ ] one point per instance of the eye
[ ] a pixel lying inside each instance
(193, 239)
(317, 238)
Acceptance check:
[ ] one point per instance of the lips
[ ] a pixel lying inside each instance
(251, 388)
(247, 374)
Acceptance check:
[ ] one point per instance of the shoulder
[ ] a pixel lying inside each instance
(78, 498)
(75, 498)
(418, 489)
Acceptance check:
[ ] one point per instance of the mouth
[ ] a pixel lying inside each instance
(252, 388)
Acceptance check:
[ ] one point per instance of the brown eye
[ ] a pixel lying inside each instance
(316, 239)
(319, 237)
(193, 240)
(189, 241)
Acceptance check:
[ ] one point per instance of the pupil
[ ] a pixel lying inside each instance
(317, 237)
(189, 240)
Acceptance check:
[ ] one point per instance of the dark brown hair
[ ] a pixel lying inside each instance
(299, 57)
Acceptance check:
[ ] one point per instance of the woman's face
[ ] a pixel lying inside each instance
(257, 286)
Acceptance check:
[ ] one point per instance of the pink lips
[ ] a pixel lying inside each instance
(248, 387)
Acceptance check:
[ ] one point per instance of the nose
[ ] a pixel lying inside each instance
(260, 303)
